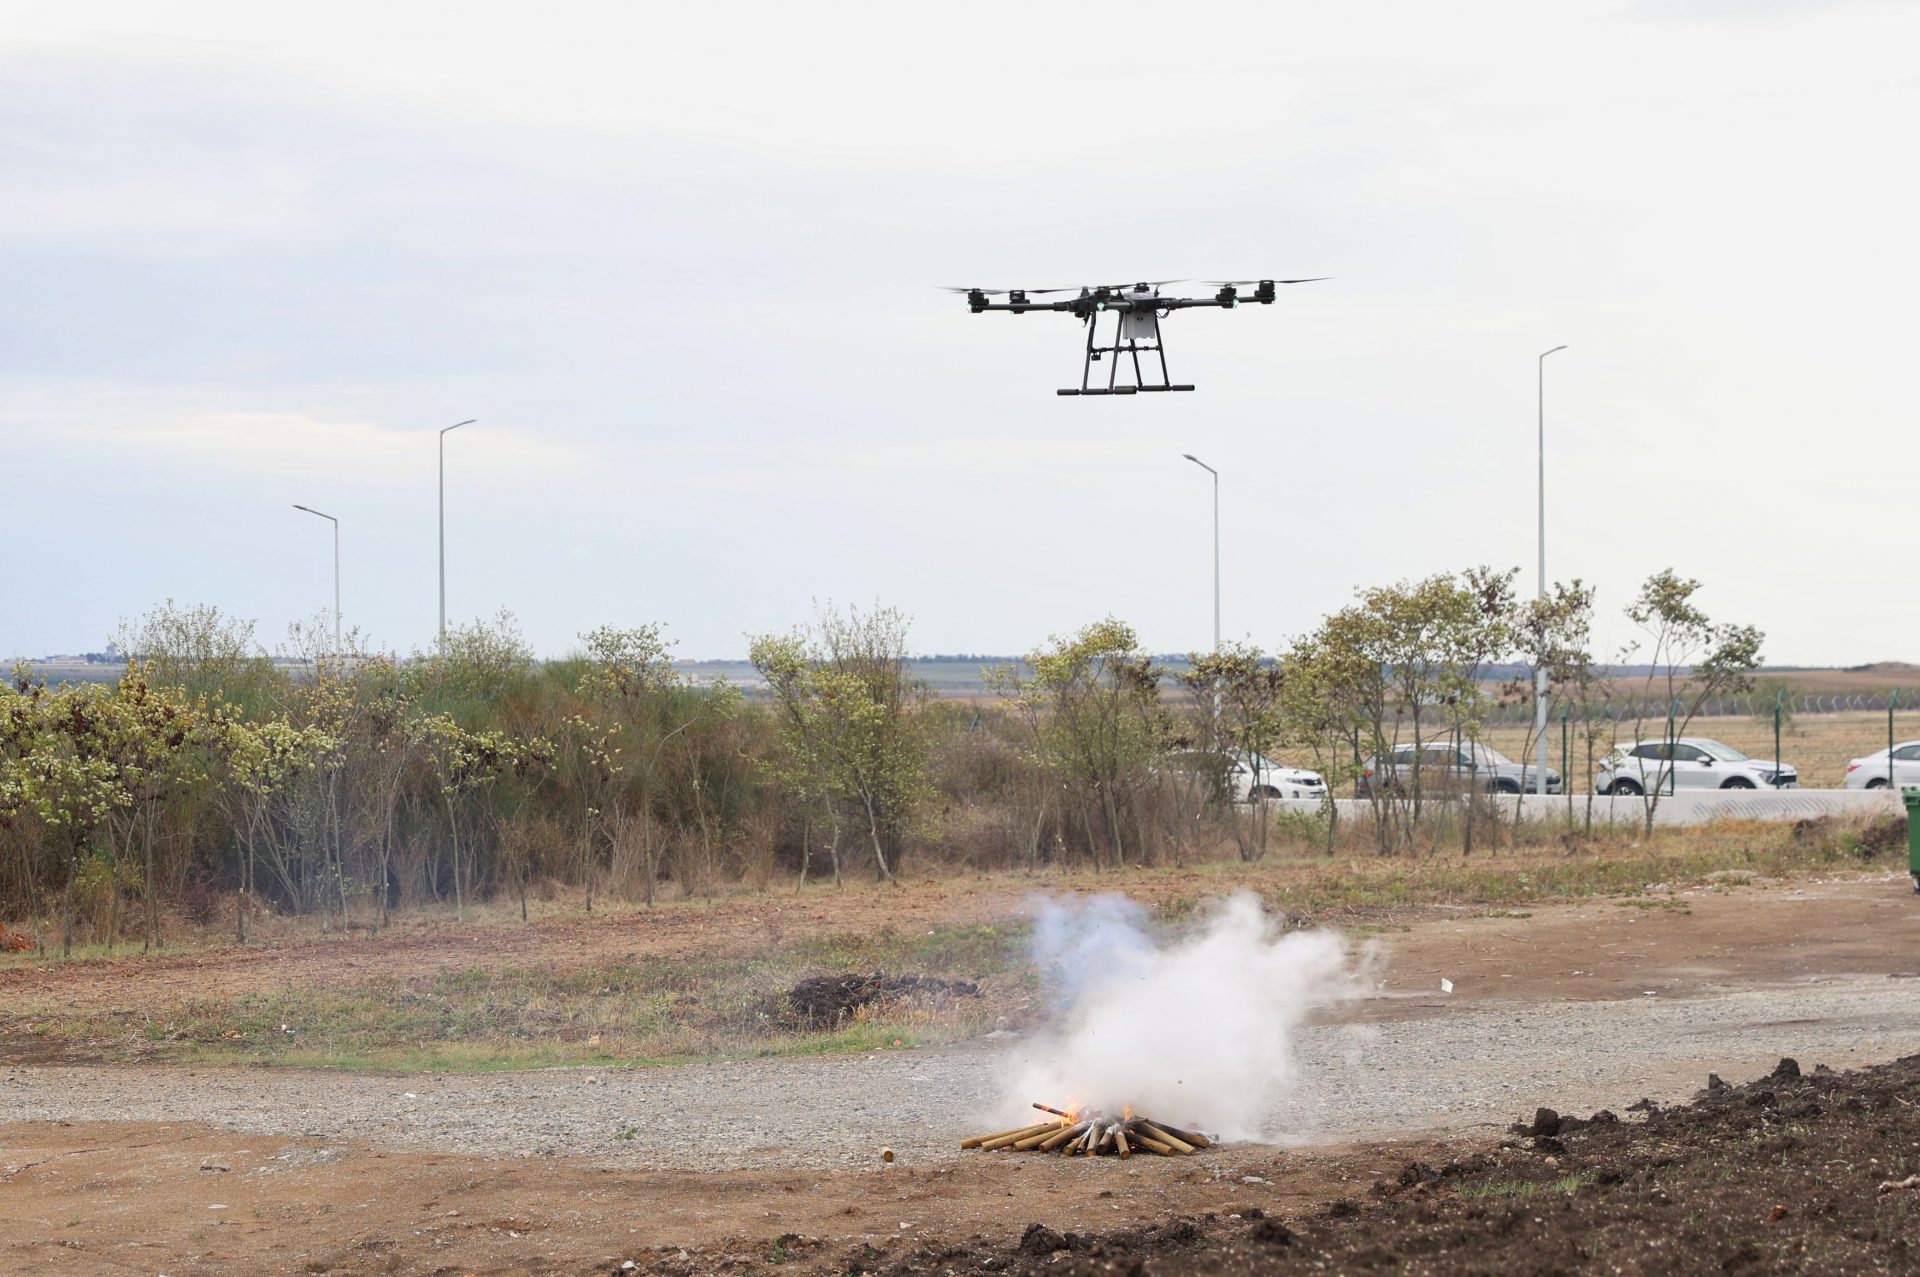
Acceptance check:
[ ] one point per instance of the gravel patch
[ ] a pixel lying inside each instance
(1473, 1066)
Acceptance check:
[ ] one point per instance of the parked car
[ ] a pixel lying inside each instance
(1442, 764)
(1243, 777)
(1254, 775)
(1692, 762)
(1871, 772)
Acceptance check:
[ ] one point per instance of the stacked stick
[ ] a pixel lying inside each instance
(1092, 1133)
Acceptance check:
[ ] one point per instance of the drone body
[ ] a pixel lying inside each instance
(1137, 310)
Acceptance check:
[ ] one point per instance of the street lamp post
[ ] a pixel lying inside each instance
(336, 569)
(443, 528)
(1216, 543)
(1539, 674)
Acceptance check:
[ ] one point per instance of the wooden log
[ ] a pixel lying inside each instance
(1048, 1108)
(977, 1140)
(1120, 1141)
(1078, 1143)
(1007, 1137)
(1038, 1138)
(1142, 1140)
(1061, 1136)
(1194, 1138)
(1168, 1138)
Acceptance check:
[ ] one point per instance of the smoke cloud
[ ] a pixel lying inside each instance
(1196, 1030)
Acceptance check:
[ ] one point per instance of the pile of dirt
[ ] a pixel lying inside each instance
(1795, 1172)
(829, 1001)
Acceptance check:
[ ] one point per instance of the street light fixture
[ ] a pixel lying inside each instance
(336, 569)
(443, 527)
(1540, 675)
(1216, 543)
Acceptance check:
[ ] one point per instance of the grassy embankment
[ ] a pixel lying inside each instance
(711, 1004)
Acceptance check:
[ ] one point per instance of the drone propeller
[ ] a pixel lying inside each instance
(1236, 283)
(984, 292)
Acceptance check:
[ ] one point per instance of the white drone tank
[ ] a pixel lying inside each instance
(1140, 325)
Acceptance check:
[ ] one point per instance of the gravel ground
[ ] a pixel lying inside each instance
(1464, 1066)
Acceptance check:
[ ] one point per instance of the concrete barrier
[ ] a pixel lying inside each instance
(1687, 807)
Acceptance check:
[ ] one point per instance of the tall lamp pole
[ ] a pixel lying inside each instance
(1540, 675)
(443, 527)
(336, 569)
(1216, 543)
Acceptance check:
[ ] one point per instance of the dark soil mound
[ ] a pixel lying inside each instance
(829, 1001)
(1793, 1173)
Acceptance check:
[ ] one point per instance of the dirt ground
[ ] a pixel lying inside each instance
(1735, 934)
(186, 1198)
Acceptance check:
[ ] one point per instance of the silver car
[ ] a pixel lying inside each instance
(1441, 764)
(1874, 771)
(1691, 762)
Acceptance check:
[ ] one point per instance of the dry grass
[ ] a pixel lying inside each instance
(659, 1010)
(709, 997)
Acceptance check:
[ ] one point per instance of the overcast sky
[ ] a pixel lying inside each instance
(680, 261)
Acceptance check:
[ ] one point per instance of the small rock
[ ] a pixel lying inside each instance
(1787, 1068)
(1714, 1083)
(1252, 1179)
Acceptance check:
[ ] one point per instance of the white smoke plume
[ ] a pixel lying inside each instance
(1195, 1030)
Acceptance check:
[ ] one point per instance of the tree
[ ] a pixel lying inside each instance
(260, 762)
(1247, 690)
(1689, 657)
(202, 652)
(802, 768)
(464, 762)
(478, 663)
(1553, 639)
(152, 734)
(1091, 698)
(854, 720)
(58, 771)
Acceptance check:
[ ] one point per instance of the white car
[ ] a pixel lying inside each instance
(1243, 777)
(1871, 772)
(1697, 763)
(1252, 776)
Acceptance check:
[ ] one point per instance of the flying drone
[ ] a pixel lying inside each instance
(1137, 310)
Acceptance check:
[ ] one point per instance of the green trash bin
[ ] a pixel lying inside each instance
(1913, 833)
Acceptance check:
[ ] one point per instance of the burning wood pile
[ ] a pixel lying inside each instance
(1093, 1133)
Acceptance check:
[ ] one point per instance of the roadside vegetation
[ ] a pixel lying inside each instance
(211, 785)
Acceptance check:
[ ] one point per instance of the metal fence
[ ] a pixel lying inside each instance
(1819, 746)
(1791, 705)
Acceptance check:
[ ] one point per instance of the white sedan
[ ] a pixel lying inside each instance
(1871, 772)
(1691, 762)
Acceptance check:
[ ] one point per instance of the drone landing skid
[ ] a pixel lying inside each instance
(1120, 390)
(1135, 333)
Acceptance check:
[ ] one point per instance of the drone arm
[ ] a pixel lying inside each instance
(1019, 307)
(1188, 303)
